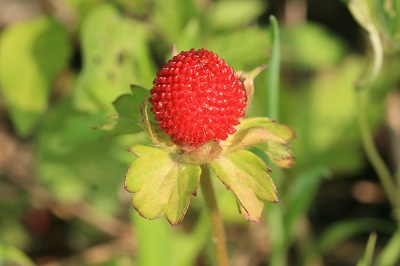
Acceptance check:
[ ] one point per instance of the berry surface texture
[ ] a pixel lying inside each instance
(197, 97)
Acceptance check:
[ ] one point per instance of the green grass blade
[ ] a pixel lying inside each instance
(366, 260)
(301, 195)
(273, 72)
(274, 214)
(390, 254)
(12, 256)
(341, 231)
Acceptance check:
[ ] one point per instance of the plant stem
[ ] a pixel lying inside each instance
(218, 230)
(373, 154)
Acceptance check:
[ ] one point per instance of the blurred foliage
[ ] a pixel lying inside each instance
(32, 54)
(58, 80)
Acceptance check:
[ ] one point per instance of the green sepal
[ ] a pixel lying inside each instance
(155, 133)
(247, 79)
(246, 175)
(205, 153)
(141, 93)
(127, 117)
(162, 183)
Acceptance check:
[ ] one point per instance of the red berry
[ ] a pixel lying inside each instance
(197, 97)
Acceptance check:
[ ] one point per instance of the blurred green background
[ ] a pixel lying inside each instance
(64, 62)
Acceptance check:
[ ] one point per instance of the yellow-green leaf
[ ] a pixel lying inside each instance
(265, 134)
(161, 183)
(280, 154)
(246, 176)
(280, 130)
(251, 136)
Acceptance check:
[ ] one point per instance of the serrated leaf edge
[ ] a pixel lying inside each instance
(265, 135)
(240, 203)
(180, 163)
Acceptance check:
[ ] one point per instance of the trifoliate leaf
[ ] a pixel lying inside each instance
(246, 176)
(161, 183)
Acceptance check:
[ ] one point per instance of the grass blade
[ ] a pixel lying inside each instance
(366, 260)
(273, 72)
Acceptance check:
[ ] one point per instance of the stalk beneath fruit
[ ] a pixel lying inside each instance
(218, 229)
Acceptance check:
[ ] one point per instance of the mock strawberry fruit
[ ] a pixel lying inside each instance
(197, 97)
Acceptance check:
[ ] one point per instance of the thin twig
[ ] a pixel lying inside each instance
(372, 153)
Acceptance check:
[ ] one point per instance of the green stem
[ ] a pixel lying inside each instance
(373, 154)
(218, 230)
(273, 72)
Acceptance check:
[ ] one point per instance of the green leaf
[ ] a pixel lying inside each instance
(254, 40)
(75, 162)
(279, 154)
(31, 55)
(161, 183)
(128, 108)
(270, 137)
(254, 130)
(283, 131)
(233, 14)
(249, 137)
(246, 176)
(172, 16)
(329, 135)
(190, 36)
(126, 124)
(303, 44)
(115, 54)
